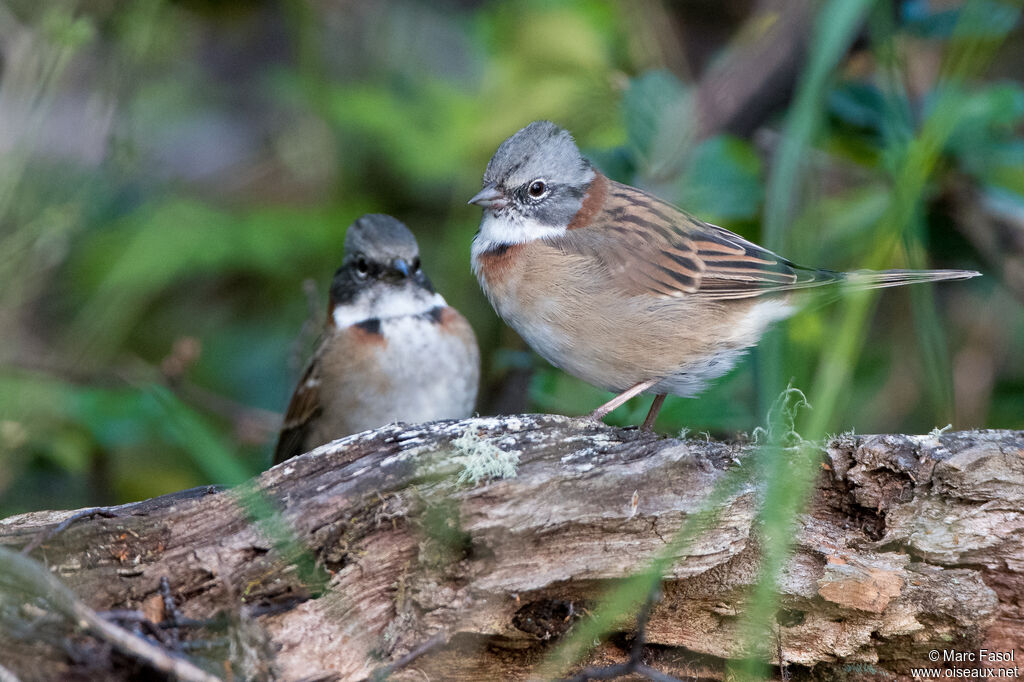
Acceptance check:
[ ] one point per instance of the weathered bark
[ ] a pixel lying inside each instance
(911, 543)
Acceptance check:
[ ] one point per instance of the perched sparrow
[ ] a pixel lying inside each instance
(622, 289)
(392, 349)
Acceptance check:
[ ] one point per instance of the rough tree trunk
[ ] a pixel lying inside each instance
(911, 544)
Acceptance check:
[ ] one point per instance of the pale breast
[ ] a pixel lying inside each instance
(418, 368)
(570, 312)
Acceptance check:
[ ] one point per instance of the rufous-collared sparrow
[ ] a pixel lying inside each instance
(392, 349)
(621, 289)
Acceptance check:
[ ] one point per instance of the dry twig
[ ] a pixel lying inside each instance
(35, 579)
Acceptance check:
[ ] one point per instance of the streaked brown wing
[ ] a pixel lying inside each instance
(303, 409)
(650, 246)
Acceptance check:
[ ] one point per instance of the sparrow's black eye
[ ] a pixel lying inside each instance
(537, 189)
(362, 267)
(416, 265)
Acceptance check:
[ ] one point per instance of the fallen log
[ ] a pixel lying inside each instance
(477, 544)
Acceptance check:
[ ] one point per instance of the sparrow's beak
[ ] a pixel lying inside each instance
(401, 266)
(489, 197)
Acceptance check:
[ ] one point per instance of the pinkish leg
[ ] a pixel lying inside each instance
(653, 414)
(617, 401)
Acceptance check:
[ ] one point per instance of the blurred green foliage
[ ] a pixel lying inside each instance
(173, 172)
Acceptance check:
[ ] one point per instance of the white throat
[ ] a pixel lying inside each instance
(386, 304)
(507, 229)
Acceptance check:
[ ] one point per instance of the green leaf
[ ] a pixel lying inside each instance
(658, 116)
(858, 104)
(983, 140)
(920, 20)
(723, 180)
(989, 22)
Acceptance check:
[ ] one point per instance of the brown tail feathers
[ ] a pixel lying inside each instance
(878, 279)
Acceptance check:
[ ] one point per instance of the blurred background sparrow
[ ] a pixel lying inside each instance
(621, 289)
(392, 348)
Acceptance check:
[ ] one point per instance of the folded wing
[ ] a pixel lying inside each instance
(650, 247)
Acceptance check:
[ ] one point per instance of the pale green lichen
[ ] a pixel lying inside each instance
(781, 423)
(481, 460)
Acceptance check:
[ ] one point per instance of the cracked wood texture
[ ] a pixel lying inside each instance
(911, 543)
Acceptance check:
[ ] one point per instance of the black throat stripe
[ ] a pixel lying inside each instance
(370, 326)
(434, 314)
(497, 250)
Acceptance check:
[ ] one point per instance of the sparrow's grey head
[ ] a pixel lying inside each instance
(537, 175)
(380, 238)
(381, 267)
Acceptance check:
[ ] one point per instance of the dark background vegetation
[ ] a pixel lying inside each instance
(176, 179)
